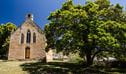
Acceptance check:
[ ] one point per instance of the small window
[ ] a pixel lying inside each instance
(28, 39)
(34, 38)
(22, 38)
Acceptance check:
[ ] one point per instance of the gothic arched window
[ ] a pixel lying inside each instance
(22, 38)
(28, 40)
(34, 38)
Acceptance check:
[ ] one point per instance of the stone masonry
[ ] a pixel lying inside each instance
(17, 50)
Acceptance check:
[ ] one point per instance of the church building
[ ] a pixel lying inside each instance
(27, 42)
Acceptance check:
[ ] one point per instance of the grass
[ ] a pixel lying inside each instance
(12, 67)
(58, 68)
(33, 67)
(69, 68)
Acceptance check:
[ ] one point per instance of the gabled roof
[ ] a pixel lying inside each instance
(29, 19)
(32, 23)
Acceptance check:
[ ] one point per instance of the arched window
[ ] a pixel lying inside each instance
(28, 40)
(22, 38)
(34, 38)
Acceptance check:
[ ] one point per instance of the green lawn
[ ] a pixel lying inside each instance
(33, 67)
(68, 68)
(12, 67)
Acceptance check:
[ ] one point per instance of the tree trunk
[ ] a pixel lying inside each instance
(89, 60)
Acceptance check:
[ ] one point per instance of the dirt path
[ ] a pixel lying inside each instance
(12, 67)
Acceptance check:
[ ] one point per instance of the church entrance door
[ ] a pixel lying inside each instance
(27, 53)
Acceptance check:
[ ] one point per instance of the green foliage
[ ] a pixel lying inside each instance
(5, 32)
(75, 58)
(93, 28)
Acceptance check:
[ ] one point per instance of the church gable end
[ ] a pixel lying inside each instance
(27, 41)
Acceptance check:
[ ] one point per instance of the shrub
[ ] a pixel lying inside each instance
(75, 58)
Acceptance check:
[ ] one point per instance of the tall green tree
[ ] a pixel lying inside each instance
(5, 32)
(91, 28)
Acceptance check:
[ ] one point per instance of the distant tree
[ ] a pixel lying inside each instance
(91, 29)
(5, 32)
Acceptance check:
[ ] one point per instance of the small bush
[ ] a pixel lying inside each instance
(75, 58)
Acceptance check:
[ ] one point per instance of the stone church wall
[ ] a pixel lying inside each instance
(17, 50)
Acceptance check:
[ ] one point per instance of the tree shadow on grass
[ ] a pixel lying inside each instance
(58, 68)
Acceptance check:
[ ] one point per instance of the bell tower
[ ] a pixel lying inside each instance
(29, 17)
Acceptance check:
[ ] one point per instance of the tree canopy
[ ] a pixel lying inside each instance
(5, 32)
(90, 28)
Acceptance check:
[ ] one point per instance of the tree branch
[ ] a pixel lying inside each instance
(99, 52)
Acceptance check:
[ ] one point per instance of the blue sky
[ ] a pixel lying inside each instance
(15, 10)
